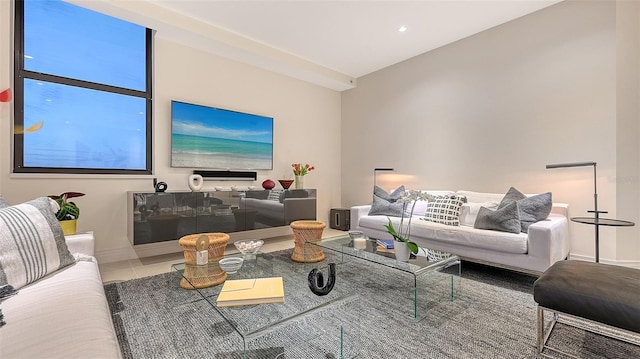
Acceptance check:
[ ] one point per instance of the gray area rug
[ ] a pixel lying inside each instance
(492, 316)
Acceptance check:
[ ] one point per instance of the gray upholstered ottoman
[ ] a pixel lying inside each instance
(601, 293)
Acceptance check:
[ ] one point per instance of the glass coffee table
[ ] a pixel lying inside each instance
(429, 279)
(279, 329)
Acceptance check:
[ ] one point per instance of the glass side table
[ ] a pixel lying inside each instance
(597, 221)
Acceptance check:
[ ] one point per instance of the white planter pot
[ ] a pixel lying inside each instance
(402, 251)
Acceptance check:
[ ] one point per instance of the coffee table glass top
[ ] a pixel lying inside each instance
(253, 321)
(371, 252)
(430, 274)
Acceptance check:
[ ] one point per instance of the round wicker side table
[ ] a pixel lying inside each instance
(202, 276)
(307, 231)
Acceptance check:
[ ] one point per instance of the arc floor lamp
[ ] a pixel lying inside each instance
(596, 221)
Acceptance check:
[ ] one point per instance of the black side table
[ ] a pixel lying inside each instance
(596, 221)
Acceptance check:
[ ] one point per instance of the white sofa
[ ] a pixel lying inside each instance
(545, 243)
(63, 315)
(291, 205)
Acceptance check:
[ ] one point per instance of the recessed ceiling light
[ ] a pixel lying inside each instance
(402, 28)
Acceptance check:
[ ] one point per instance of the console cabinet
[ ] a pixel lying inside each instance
(165, 216)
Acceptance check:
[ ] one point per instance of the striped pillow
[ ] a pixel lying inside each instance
(31, 242)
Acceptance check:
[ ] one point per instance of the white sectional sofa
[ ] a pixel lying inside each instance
(62, 315)
(546, 242)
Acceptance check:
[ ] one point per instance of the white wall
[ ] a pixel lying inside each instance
(490, 111)
(307, 127)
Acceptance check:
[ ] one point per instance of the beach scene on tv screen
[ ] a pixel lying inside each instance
(208, 137)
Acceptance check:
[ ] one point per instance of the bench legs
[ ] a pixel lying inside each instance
(591, 326)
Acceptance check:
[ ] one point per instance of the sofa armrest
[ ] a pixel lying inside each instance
(299, 208)
(83, 243)
(549, 239)
(561, 209)
(357, 212)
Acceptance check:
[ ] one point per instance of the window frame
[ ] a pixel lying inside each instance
(20, 74)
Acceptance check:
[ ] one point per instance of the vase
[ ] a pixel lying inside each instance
(68, 226)
(195, 182)
(402, 251)
(286, 183)
(299, 182)
(268, 184)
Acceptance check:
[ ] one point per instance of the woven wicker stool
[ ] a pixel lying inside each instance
(202, 276)
(307, 231)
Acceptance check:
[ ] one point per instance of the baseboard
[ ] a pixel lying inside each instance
(157, 249)
(621, 262)
(115, 255)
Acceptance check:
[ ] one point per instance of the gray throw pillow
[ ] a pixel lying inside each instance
(384, 204)
(532, 209)
(4, 203)
(511, 195)
(31, 243)
(390, 197)
(504, 219)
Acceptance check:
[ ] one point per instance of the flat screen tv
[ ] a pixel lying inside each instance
(215, 138)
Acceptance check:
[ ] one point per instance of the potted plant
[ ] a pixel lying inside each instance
(299, 171)
(402, 235)
(68, 213)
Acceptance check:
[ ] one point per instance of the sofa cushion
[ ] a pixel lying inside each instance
(504, 219)
(257, 194)
(480, 197)
(385, 204)
(421, 206)
(445, 209)
(483, 239)
(532, 209)
(32, 244)
(63, 315)
(274, 195)
(293, 193)
(469, 211)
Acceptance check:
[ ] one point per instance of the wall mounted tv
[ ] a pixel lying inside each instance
(215, 138)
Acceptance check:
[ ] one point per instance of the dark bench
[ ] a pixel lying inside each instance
(601, 293)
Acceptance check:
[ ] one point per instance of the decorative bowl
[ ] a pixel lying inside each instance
(249, 247)
(231, 265)
(286, 183)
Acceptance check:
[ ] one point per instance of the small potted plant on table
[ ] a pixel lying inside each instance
(69, 212)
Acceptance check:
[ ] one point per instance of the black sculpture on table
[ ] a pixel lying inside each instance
(316, 280)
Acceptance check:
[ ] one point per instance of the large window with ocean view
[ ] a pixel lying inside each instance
(82, 91)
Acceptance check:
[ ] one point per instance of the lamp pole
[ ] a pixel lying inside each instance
(596, 221)
(375, 171)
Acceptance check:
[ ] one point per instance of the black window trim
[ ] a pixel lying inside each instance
(20, 74)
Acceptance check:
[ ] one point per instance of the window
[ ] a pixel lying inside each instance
(82, 91)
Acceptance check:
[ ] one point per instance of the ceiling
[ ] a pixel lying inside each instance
(330, 43)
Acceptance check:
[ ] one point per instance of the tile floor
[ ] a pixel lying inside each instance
(148, 266)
